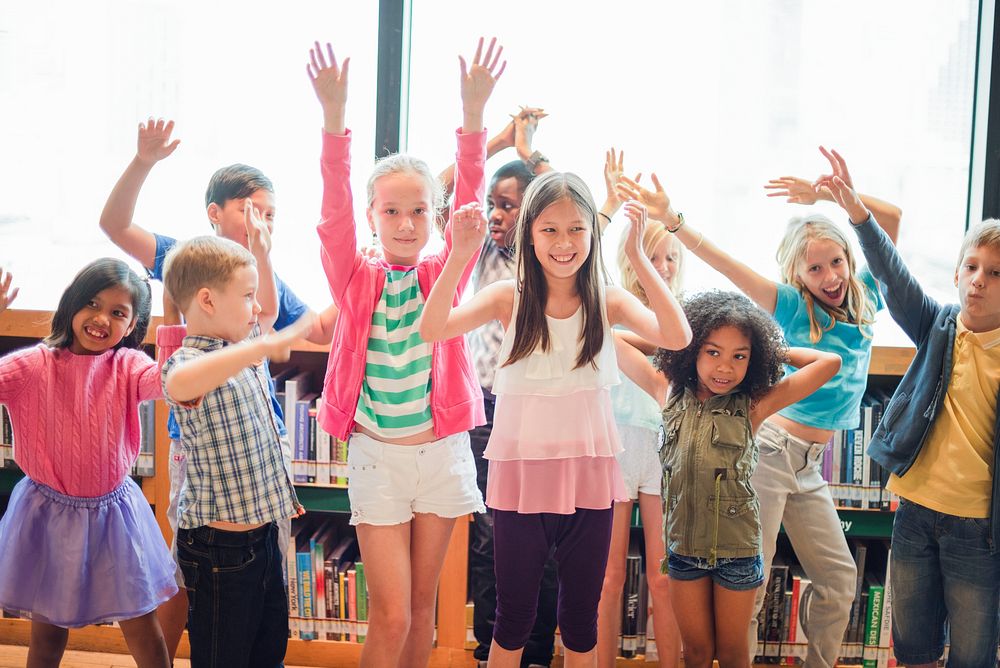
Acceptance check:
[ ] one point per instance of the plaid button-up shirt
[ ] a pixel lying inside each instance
(235, 471)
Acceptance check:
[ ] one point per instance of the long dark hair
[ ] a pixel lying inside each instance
(97, 276)
(531, 329)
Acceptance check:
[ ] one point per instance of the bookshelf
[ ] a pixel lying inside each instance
(19, 328)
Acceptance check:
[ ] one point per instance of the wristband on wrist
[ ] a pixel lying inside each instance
(534, 159)
(673, 230)
(606, 216)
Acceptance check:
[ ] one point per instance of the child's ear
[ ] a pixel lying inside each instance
(214, 212)
(371, 220)
(131, 327)
(956, 276)
(205, 300)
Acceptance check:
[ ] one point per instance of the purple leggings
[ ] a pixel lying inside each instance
(522, 543)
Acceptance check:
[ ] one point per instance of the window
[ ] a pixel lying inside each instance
(717, 98)
(77, 78)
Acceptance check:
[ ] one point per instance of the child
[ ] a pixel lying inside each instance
(938, 437)
(722, 388)
(639, 421)
(237, 486)
(496, 263)
(824, 301)
(553, 473)
(78, 541)
(234, 194)
(405, 404)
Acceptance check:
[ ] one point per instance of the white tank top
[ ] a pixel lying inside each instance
(552, 373)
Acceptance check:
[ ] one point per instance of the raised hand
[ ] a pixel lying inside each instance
(258, 234)
(7, 295)
(154, 141)
(479, 79)
(797, 190)
(614, 170)
(329, 81)
(468, 230)
(656, 201)
(278, 345)
(636, 213)
(839, 166)
(845, 196)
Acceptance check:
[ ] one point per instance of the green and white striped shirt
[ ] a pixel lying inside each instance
(396, 390)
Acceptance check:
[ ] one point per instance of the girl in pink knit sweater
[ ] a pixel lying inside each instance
(78, 542)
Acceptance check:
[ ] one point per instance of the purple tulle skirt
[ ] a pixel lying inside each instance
(73, 561)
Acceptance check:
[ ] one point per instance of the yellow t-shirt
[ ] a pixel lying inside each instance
(953, 473)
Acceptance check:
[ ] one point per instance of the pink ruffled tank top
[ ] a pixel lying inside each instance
(554, 440)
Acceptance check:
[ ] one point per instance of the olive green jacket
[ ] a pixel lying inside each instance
(708, 455)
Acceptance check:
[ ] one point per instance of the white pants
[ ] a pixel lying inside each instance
(792, 492)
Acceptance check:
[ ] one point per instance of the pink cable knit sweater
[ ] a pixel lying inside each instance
(76, 417)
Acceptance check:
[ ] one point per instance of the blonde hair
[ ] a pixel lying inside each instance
(401, 163)
(986, 233)
(654, 234)
(206, 261)
(858, 307)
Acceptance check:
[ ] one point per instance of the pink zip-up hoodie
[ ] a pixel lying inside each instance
(356, 284)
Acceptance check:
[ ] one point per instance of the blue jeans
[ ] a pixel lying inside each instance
(942, 570)
(237, 608)
(735, 574)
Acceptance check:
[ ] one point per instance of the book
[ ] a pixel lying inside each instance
(630, 603)
(362, 600)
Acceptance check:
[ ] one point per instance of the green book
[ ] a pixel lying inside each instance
(362, 599)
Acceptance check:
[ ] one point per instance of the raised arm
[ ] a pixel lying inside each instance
(758, 288)
(634, 364)
(813, 369)
(338, 237)
(189, 381)
(800, 191)
(260, 246)
(663, 323)
(7, 294)
(907, 302)
(441, 318)
(525, 125)
(499, 142)
(116, 219)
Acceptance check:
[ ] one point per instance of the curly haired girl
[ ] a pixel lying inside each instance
(721, 389)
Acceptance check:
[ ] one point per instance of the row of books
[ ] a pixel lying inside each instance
(327, 589)
(857, 481)
(317, 457)
(143, 467)
(783, 621)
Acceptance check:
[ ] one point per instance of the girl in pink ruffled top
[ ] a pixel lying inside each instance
(553, 474)
(78, 542)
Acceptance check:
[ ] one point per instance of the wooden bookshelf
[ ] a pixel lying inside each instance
(22, 327)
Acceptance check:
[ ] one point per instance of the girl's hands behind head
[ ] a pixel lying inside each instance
(154, 142)
(479, 79)
(7, 295)
(468, 230)
(656, 201)
(329, 79)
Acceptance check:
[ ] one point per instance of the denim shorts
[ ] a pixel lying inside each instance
(942, 571)
(735, 574)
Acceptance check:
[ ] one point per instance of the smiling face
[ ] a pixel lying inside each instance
(401, 215)
(229, 219)
(562, 238)
(723, 361)
(502, 206)
(823, 270)
(666, 257)
(978, 281)
(103, 322)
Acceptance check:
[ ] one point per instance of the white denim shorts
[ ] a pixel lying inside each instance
(639, 460)
(388, 483)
